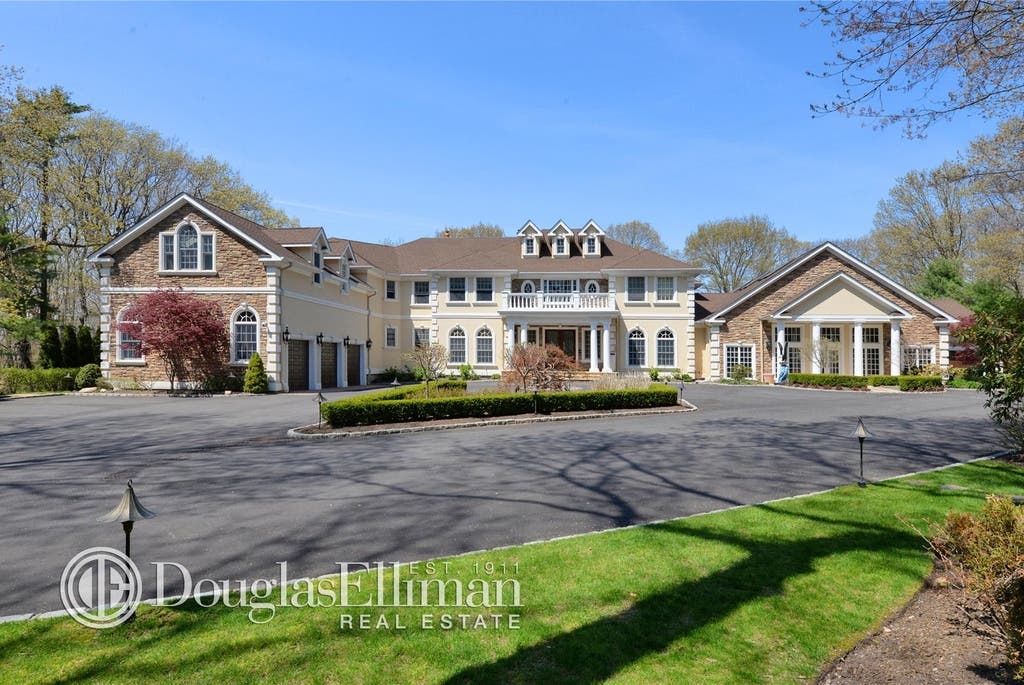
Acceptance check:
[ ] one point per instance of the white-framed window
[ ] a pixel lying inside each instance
(421, 337)
(794, 360)
(526, 287)
(832, 359)
(738, 355)
(591, 245)
(457, 346)
(344, 275)
(244, 336)
(593, 287)
(871, 335)
(666, 348)
(665, 287)
(636, 348)
(559, 245)
(636, 288)
(484, 346)
(484, 288)
(390, 336)
(559, 285)
(918, 356)
(831, 334)
(872, 361)
(456, 288)
(186, 249)
(129, 347)
(318, 264)
(792, 334)
(529, 246)
(390, 290)
(421, 292)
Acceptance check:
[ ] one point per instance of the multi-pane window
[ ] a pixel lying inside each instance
(917, 357)
(484, 289)
(317, 264)
(871, 335)
(559, 245)
(792, 334)
(244, 331)
(830, 340)
(559, 285)
(188, 248)
(207, 244)
(484, 346)
(591, 244)
(636, 288)
(794, 360)
(421, 337)
(637, 348)
(421, 292)
(872, 361)
(390, 336)
(457, 346)
(529, 246)
(456, 288)
(666, 348)
(129, 348)
(831, 361)
(830, 333)
(390, 290)
(666, 288)
(167, 250)
(738, 355)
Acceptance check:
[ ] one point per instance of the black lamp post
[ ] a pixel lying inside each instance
(861, 433)
(127, 512)
(319, 399)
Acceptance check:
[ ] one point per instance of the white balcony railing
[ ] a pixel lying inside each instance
(563, 301)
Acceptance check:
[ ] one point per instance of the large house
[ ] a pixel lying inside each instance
(327, 312)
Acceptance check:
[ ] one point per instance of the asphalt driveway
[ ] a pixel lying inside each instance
(234, 496)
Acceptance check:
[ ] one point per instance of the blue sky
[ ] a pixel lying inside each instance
(394, 120)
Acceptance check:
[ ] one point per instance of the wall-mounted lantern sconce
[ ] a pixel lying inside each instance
(369, 343)
(286, 336)
(345, 341)
(320, 338)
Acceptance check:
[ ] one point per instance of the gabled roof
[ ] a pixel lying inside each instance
(298, 237)
(851, 284)
(760, 283)
(529, 228)
(955, 308)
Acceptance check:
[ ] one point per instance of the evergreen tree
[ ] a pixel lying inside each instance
(69, 346)
(86, 348)
(256, 380)
(50, 354)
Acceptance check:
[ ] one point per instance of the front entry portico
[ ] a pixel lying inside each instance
(588, 344)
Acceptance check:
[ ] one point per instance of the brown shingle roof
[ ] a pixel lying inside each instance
(953, 308)
(294, 236)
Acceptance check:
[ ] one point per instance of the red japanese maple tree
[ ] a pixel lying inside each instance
(189, 334)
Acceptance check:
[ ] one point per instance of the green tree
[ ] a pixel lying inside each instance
(256, 380)
(86, 347)
(50, 353)
(478, 230)
(952, 56)
(638, 234)
(21, 260)
(941, 278)
(736, 250)
(70, 355)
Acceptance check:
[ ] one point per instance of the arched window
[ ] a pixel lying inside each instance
(484, 346)
(457, 346)
(188, 248)
(526, 287)
(244, 336)
(637, 348)
(129, 347)
(593, 288)
(666, 348)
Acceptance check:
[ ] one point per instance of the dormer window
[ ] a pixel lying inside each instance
(529, 246)
(186, 249)
(559, 245)
(318, 264)
(591, 245)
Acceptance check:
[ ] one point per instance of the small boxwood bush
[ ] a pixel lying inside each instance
(920, 383)
(14, 381)
(828, 380)
(883, 380)
(369, 411)
(87, 376)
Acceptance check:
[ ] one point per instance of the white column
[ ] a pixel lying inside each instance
(510, 336)
(858, 349)
(593, 347)
(343, 352)
(780, 338)
(606, 349)
(715, 351)
(895, 362)
(314, 365)
(522, 333)
(816, 351)
(944, 348)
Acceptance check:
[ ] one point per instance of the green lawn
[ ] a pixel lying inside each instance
(768, 593)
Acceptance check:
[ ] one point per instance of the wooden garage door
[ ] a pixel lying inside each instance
(329, 365)
(298, 365)
(352, 355)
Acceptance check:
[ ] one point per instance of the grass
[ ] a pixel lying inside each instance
(767, 593)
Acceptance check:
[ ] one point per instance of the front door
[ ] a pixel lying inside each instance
(562, 338)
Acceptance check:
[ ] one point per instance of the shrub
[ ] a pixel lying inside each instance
(654, 373)
(221, 381)
(963, 383)
(369, 410)
(613, 381)
(50, 354)
(828, 380)
(680, 376)
(87, 376)
(883, 380)
(86, 346)
(916, 383)
(985, 551)
(740, 372)
(402, 375)
(36, 380)
(467, 373)
(256, 380)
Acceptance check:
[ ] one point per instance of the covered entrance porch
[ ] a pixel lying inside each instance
(590, 343)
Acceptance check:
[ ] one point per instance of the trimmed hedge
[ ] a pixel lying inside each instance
(828, 380)
(14, 381)
(883, 380)
(916, 383)
(963, 383)
(357, 411)
(412, 391)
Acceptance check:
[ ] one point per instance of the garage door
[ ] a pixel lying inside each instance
(298, 365)
(329, 365)
(352, 353)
